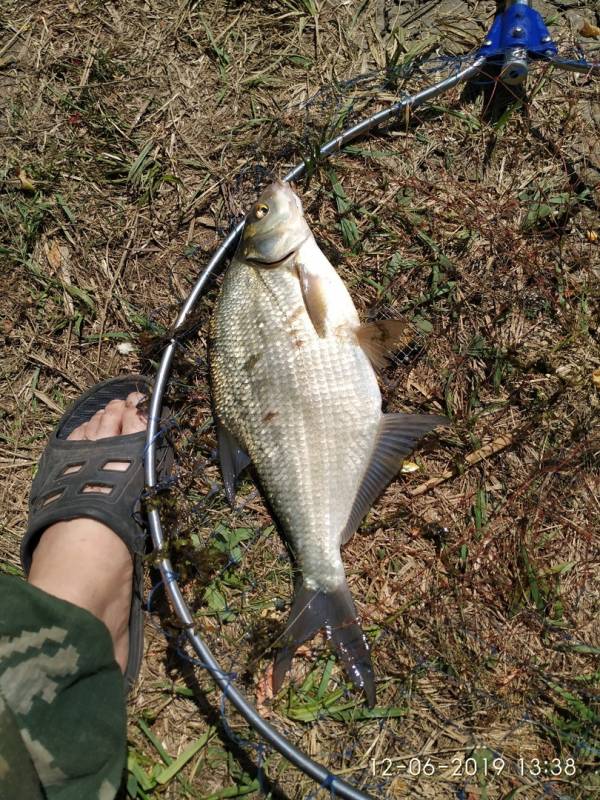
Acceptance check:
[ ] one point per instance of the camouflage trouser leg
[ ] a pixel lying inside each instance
(62, 706)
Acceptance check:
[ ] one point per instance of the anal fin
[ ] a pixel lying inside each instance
(397, 436)
(232, 458)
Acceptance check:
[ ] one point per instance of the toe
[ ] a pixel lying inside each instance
(134, 420)
(118, 417)
(78, 433)
(111, 420)
(134, 399)
(92, 426)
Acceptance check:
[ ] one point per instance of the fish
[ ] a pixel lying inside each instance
(295, 393)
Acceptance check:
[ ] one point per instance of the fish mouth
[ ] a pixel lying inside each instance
(271, 263)
(279, 261)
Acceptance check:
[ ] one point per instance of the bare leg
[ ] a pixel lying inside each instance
(82, 560)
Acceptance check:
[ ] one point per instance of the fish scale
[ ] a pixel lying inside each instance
(295, 392)
(306, 474)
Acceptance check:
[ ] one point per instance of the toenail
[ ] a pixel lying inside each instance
(134, 399)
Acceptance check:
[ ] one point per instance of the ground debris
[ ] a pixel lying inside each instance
(135, 136)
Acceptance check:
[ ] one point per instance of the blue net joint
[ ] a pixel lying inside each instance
(518, 26)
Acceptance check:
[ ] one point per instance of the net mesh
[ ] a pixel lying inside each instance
(473, 574)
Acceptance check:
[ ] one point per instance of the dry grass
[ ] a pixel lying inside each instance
(133, 135)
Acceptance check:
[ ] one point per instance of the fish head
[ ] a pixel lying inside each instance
(275, 227)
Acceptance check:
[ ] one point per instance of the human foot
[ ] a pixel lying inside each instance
(82, 560)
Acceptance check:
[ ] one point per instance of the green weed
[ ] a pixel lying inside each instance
(348, 227)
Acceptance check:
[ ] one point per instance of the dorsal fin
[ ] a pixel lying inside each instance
(378, 339)
(396, 438)
(233, 460)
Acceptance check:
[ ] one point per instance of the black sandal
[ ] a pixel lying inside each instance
(67, 467)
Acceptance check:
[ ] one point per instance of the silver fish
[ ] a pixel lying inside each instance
(295, 393)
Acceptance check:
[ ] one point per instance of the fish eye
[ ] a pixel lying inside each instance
(261, 210)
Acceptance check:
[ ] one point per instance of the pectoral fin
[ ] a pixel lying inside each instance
(379, 339)
(233, 460)
(313, 294)
(396, 438)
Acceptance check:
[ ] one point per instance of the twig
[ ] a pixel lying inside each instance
(495, 446)
(6, 463)
(117, 274)
(14, 38)
(48, 401)
(39, 359)
(88, 67)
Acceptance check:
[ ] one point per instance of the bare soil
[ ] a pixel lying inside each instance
(133, 136)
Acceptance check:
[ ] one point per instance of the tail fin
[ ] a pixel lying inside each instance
(314, 609)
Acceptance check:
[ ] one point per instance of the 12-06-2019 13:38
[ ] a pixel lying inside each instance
(479, 764)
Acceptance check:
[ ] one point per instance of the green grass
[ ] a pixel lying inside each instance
(477, 596)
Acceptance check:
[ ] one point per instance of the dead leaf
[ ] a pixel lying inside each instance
(596, 378)
(506, 679)
(589, 31)
(207, 222)
(408, 467)
(53, 254)
(398, 787)
(264, 692)
(126, 348)
(26, 183)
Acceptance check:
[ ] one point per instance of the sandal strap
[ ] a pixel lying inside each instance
(68, 467)
(67, 486)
